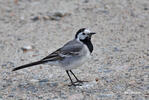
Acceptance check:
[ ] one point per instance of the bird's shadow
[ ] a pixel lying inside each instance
(46, 85)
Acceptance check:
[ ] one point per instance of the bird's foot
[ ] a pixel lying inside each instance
(80, 81)
(75, 84)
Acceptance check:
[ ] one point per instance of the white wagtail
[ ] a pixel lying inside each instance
(72, 55)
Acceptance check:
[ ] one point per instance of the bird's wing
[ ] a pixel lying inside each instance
(70, 49)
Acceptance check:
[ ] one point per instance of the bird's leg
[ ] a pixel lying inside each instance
(77, 78)
(69, 76)
(72, 83)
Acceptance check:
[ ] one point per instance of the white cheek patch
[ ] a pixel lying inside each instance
(81, 36)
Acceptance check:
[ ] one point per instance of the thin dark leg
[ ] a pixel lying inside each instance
(77, 78)
(69, 76)
(74, 75)
(72, 83)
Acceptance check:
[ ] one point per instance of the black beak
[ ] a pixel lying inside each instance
(92, 33)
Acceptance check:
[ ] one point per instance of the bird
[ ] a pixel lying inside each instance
(71, 55)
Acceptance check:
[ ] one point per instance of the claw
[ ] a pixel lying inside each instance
(79, 81)
(73, 84)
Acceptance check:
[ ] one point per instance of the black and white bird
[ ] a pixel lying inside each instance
(72, 55)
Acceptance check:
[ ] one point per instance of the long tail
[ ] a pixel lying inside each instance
(28, 65)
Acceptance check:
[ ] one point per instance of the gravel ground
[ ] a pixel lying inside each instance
(119, 69)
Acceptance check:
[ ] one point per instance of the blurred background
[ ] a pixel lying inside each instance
(31, 29)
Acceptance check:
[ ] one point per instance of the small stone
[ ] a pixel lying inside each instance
(115, 49)
(32, 88)
(36, 18)
(108, 80)
(27, 48)
(96, 79)
(44, 80)
(34, 81)
(145, 8)
(16, 1)
(53, 84)
(40, 97)
(141, 25)
(46, 17)
(58, 14)
(86, 1)
(11, 95)
(19, 39)
(55, 18)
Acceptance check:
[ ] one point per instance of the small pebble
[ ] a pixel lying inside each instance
(34, 81)
(55, 18)
(44, 80)
(58, 14)
(36, 18)
(46, 17)
(96, 79)
(54, 84)
(31, 88)
(39, 97)
(86, 1)
(27, 48)
(16, 1)
(145, 8)
(115, 49)
(141, 25)
(11, 95)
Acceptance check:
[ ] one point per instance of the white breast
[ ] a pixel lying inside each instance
(84, 55)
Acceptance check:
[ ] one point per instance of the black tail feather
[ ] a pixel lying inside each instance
(28, 65)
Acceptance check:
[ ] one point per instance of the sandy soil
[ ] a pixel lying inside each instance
(119, 69)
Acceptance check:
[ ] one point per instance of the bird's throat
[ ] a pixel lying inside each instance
(88, 43)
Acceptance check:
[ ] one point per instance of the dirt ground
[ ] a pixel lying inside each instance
(118, 69)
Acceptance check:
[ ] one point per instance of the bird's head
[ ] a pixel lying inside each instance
(84, 34)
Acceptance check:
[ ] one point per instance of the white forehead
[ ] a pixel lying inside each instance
(87, 31)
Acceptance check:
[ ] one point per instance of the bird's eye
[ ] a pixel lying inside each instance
(83, 33)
